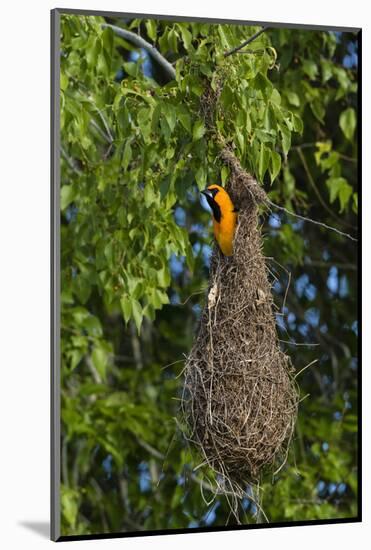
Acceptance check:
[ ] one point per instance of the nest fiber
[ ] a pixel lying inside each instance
(240, 399)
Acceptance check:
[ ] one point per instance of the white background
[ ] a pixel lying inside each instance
(24, 270)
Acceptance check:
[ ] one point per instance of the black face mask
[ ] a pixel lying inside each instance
(210, 194)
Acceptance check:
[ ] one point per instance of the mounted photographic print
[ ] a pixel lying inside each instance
(205, 180)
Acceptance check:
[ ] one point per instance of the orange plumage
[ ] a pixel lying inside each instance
(224, 217)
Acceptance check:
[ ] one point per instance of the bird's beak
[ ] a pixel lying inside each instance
(207, 193)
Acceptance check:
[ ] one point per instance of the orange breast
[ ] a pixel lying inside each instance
(224, 231)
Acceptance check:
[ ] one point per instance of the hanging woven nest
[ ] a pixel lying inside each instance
(240, 399)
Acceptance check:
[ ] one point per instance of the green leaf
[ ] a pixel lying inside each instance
(170, 115)
(173, 40)
(323, 147)
(286, 139)
(103, 65)
(198, 130)
(107, 39)
(149, 195)
(264, 157)
(137, 314)
(92, 326)
(109, 251)
(149, 312)
(269, 118)
(93, 52)
(165, 186)
(163, 276)
(342, 77)
(200, 177)
(190, 257)
(293, 98)
(240, 141)
(344, 195)
(68, 194)
(223, 38)
(298, 124)
(184, 118)
(275, 165)
(339, 188)
(224, 174)
(275, 97)
(144, 118)
(196, 86)
(165, 129)
(100, 360)
(127, 154)
(262, 83)
(125, 303)
(131, 68)
(75, 357)
(69, 501)
(186, 36)
(151, 29)
(347, 122)
(64, 81)
(156, 117)
(310, 68)
(331, 162)
(326, 67)
(163, 41)
(82, 288)
(318, 109)
(159, 298)
(266, 136)
(227, 96)
(135, 288)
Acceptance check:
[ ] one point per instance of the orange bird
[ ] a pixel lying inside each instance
(224, 217)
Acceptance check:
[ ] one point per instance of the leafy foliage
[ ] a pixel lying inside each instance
(134, 258)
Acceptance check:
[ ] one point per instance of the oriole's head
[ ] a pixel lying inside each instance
(218, 200)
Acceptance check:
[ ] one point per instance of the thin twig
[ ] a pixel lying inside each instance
(100, 131)
(310, 345)
(70, 161)
(255, 52)
(93, 370)
(311, 221)
(201, 291)
(306, 367)
(173, 363)
(314, 146)
(109, 134)
(303, 398)
(254, 37)
(151, 450)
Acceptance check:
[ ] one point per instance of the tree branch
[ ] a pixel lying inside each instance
(254, 37)
(151, 450)
(315, 222)
(314, 145)
(109, 134)
(102, 134)
(141, 43)
(70, 161)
